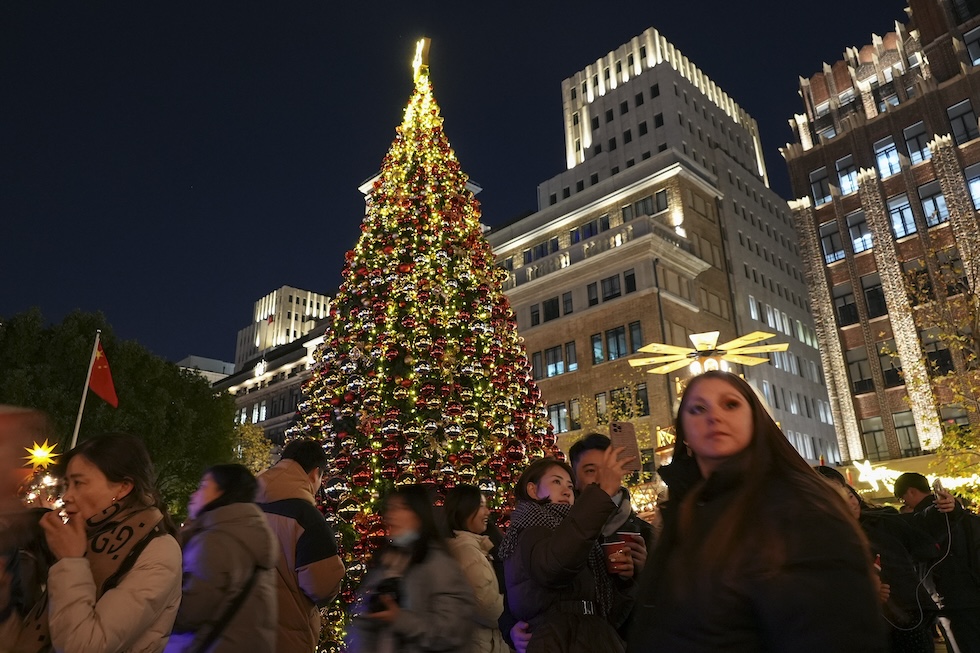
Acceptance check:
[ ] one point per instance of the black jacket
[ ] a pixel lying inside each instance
(822, 598)
(957, 537)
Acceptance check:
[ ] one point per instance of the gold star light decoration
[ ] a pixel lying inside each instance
(41, 455)
(707, 354)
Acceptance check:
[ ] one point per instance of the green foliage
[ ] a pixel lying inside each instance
(957, 456)
(185, 424)
(252, 448)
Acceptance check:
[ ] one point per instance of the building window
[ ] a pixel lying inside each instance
(830, 241)
(535, 315)
(593, 294)
(908, 438)
(820, 186)
(629, 280)
(601, 407)
(612, 144)
(658, 120)
(953, 416)
(963, 122)
(554, 365)
(859, 370)
(627, 136)
(610, 288)
(845, 305)
(917, 141)
(857, 226)
(627, 213)
(643, 128)
(847, 174)
(595, 123)
(636, 337)
(655, 89)
(886, 156)
(598, 353)
(933, 204)
(874, 296)
(624, 108)
(873, 436)
(570, 358)
(566, 303)
(972, 175)
(639, 96)
(558, 416)
(616, 343)
(574, 415)
(900, 213)
(940, 361)
(972, 41)
(594, 179)
(891, 364)
(550, 309)
(660, 199)
(609, 115)
(537, 365)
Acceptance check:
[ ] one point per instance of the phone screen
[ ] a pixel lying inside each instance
(622, 434)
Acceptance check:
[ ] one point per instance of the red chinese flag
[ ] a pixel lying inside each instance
(101, 380)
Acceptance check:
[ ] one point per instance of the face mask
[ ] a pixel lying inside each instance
(405, 539)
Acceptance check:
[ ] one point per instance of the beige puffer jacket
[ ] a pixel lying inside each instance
(471, 550)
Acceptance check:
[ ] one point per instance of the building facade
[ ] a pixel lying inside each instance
(279, 318)
(663, 225)
(886, 166)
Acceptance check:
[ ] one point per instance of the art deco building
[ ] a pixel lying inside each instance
(279, 318)
(886, 164)
(663, 225)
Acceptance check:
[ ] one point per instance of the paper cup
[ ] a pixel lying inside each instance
(609, 548)
(629, 536)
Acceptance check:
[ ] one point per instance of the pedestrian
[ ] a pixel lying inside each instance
(758, 553)
(572, 594)
(228, 599)
(116, 584)
(309, 569)
(467, 516)
(955, 577)
(414, 597)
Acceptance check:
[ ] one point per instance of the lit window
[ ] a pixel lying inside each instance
(900, 214)
(917, 141)
(820, 186)
(847, 174)
(963, 122)
(886, 155)
(933, 204)
(857, 226)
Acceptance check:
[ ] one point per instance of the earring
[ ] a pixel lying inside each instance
(113, 499)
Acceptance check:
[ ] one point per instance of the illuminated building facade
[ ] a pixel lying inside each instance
(886, 163)
(663, 225)
(281, 317)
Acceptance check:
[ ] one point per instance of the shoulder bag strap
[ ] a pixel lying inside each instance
(229, 613)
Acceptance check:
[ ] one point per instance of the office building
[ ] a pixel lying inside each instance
(279, 318)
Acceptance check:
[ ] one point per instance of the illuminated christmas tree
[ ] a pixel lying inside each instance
(422, 377)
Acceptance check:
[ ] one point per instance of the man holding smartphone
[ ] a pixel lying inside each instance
(957, 573)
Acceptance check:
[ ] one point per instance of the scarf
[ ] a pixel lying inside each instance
(550, 515)
(116, 538)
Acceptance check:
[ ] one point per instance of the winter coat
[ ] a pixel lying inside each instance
(134, 617)
(471, 551)
(437, 609)
(549, 583)
(820, 599)
(223, 547)
(309, 570)
(957, 576)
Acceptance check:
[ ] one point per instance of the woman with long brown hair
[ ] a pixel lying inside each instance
(758, 552)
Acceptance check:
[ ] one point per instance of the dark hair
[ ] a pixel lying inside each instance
(911, 480)
(742, 533)
(418, 499)
(237, 485)
(308, 453)
(831, 474)
(533, 474)
(462, 502)
(589, 442)
(123, 457)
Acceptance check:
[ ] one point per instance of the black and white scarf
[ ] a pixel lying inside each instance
(550, 515)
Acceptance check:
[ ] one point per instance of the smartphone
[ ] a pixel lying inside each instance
(937, 486)
(622, 434)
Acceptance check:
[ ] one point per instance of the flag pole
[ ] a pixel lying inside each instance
(88, 377)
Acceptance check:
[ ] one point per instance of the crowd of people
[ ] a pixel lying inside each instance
(753, 551)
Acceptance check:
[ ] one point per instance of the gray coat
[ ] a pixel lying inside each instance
(437, 610)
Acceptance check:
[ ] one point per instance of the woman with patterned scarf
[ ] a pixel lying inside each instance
(115, 587)
(556, 572)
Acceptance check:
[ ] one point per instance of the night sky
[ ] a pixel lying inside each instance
(169, 163)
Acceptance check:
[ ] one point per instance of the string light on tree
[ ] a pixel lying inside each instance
(421, 377)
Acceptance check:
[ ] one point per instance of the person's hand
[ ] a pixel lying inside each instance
(610, 472)
(389, 614)
(66, 540)
(622, 563)
(945, 501)
(520, 634)
(638, 552)
(884, 591)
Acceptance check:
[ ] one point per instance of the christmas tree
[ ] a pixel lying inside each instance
(422, 377)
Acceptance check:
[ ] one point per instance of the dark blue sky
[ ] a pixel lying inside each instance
(169, 163)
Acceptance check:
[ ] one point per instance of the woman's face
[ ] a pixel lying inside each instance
(477, 523)
(206, 492)
(87, 490)
(555, 485)
(852, 503)
(717, 422)
(399, 518)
